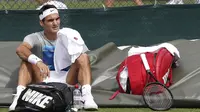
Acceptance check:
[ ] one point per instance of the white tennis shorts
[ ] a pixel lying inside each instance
(55, 77)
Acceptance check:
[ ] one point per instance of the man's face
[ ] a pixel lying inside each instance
(51, 23)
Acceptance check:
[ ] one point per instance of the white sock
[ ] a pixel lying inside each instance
(20, 88)
(69, 85)
(86, 89)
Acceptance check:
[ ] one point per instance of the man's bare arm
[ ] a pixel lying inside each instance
(24, 51)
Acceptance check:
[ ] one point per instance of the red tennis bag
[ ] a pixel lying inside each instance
(132, 76)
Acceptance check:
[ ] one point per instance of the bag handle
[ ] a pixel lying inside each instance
(145, 62)
(114, 95)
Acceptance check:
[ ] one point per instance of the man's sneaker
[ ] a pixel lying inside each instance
(14, 103)
(89, 103)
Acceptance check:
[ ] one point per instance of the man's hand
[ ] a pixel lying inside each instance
(44, 69)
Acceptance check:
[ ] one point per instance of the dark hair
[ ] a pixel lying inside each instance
(45, 7)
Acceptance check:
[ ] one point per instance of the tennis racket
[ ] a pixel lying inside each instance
(156, 95)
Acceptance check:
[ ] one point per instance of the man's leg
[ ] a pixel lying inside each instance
(25, 77)
(81, 70)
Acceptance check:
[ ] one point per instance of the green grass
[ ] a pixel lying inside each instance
(132, 110)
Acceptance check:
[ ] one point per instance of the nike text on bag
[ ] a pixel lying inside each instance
(46, 97)
(132, 76)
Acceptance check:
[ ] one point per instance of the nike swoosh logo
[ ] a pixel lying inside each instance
(83, 102)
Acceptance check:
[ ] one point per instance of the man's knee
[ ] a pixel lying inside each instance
(83, 59)
(29, 66)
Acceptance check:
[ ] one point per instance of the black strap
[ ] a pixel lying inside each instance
(128, 86)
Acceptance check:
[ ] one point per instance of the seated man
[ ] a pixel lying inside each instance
(68, 64)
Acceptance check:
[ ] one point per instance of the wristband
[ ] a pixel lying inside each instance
(33, 59)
